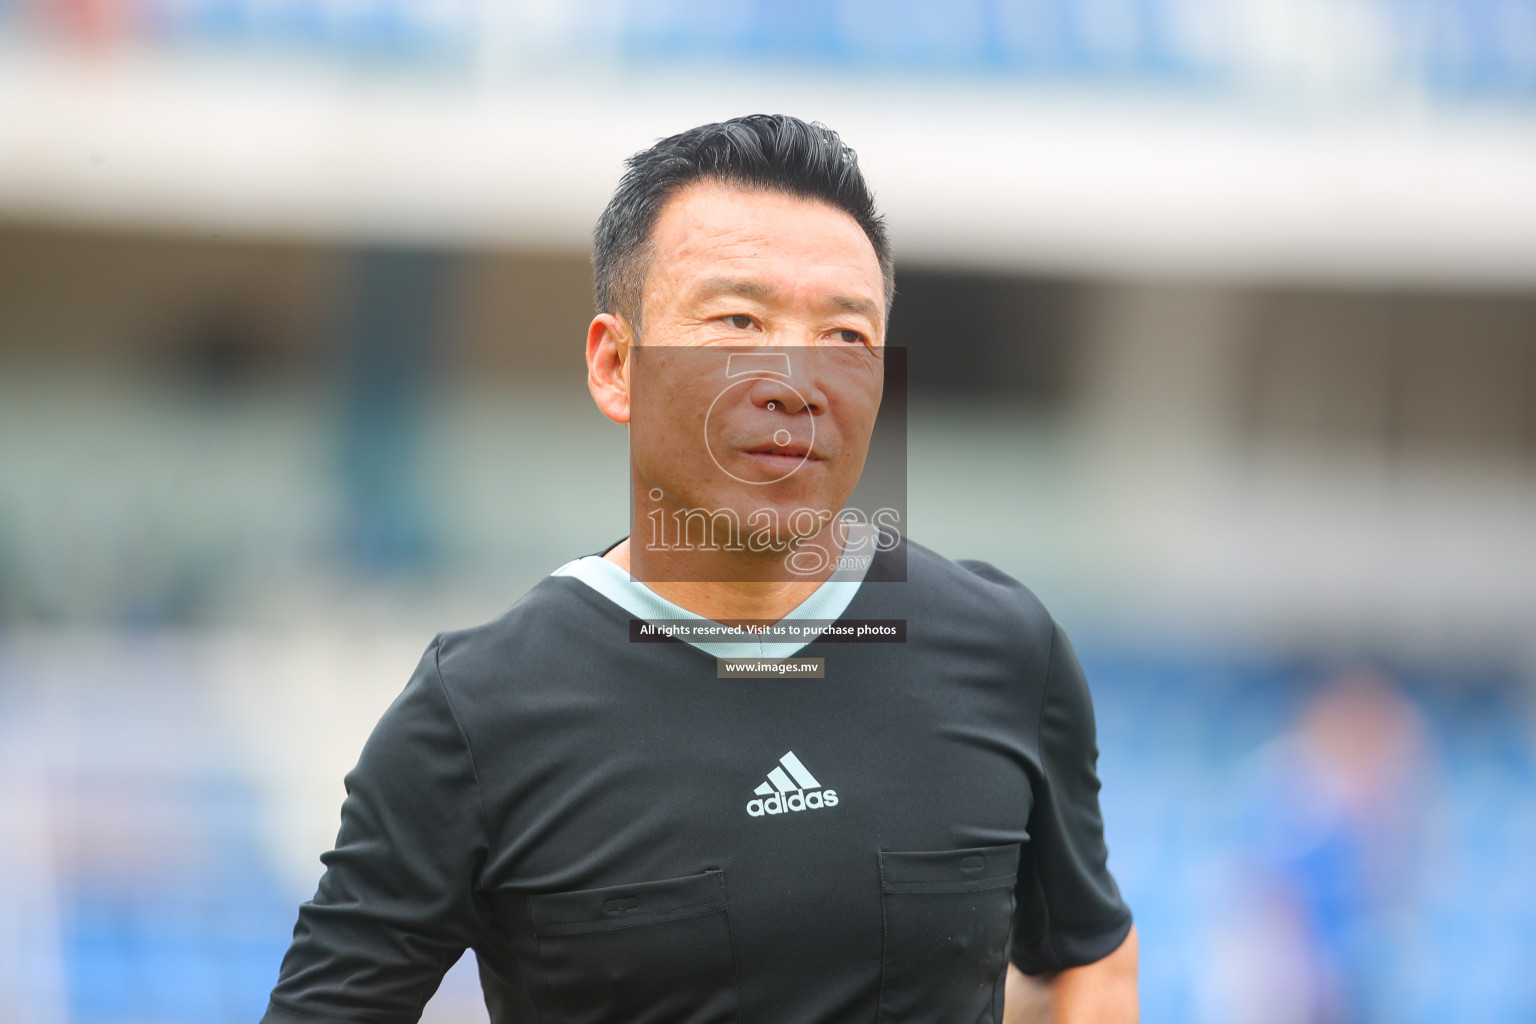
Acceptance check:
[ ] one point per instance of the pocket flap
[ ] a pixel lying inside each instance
(981, 867)
(624, 906)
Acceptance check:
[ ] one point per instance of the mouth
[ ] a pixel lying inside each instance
(793, 452)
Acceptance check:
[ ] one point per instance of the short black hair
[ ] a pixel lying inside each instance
(775, 152)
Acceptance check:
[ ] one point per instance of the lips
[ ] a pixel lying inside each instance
(792, 450)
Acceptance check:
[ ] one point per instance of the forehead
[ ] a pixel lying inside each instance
(711, 227)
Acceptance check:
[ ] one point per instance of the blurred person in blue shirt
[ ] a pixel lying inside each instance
(1333, 816)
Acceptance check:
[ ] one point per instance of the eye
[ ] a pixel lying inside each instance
(740, 321)
(850, 336)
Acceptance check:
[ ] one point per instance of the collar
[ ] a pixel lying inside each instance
(827, 602)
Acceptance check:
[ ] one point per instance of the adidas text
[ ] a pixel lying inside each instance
(790, 787)
(796, 801)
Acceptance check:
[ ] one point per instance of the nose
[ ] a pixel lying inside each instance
(794, 391)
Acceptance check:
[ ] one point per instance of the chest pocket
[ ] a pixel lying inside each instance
(648, 953)
(947, 917)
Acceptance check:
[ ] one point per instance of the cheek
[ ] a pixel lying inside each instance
(666, 438)
(857, 409)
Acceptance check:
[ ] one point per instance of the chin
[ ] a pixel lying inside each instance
(768, 521)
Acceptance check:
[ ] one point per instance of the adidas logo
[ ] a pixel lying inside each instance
(790, 787)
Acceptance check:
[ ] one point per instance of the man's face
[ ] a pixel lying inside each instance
(758, 373)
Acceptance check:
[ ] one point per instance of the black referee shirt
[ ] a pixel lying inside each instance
(624, 838)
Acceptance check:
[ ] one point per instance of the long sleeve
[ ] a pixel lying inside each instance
(397, 905)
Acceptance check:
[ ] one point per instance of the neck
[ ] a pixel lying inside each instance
(693, 580)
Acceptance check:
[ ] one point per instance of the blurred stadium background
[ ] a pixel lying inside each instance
(1222, 320)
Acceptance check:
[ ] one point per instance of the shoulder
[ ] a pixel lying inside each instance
(977, 591)
(556, 620)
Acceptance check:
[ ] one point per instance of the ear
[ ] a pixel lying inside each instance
(608, 346)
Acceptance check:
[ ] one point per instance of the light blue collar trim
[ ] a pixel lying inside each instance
(827, 602)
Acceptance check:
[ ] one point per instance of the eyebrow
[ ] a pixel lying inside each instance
(748, 289)
(848, 304)
(717, 286)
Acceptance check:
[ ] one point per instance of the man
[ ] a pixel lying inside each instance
(623, 833)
